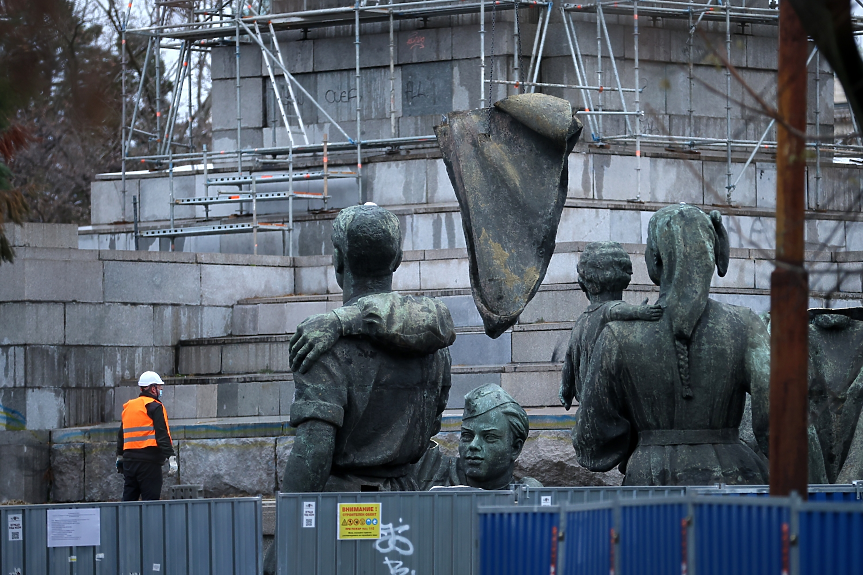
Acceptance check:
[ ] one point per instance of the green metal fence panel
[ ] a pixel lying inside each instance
(426, 532)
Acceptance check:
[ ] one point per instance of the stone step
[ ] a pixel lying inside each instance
(269, 353)
(444, 273)
(270, 394)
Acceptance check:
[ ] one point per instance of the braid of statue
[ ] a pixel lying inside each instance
(683, 366)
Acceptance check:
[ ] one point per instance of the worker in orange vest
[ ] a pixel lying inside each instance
(144, 442)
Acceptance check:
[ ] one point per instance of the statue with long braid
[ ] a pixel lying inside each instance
(664, 399)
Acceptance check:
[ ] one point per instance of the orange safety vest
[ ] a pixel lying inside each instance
(138, 430)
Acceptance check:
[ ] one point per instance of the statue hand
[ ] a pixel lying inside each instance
(649, 312)
(315, 335)
(565, 395)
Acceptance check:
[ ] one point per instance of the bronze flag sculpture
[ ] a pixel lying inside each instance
(508, 165)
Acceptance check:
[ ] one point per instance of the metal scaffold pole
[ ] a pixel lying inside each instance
(789, 290)
(359, 106)
(690, 45)
(637, 103)
(536, 54)
(255, 215)
(137, 102)
(599, 70)
(239, 16)
(158, 55)
(171, 191)
(123, 150)
(516, 47)
(728, 186)
(392, 77)
(482, 54)
(620, 90)
(580, 72)
(817, 129)
(188, 65)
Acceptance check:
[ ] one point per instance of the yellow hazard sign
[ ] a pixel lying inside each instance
(359, 520)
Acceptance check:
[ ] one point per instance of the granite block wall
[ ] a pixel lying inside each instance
(78, 326)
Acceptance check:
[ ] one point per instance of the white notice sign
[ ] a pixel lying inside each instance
(73, 527)
(16, 527)
(308, 513)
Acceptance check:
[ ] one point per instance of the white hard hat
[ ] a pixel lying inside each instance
(149, 378)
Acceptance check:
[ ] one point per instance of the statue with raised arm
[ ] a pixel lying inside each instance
(604, 270)
(666, 398)
(372, 377)
(494, 428)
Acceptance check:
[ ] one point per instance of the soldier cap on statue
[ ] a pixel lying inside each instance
(485, 398)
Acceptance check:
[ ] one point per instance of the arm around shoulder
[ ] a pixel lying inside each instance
(414, 324)
(628, 312)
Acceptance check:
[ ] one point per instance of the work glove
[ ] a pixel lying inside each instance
(172, 466)
(119, 464)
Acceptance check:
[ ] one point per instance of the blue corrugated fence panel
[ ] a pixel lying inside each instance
(831, 539)
(588, 546)
(741, 536)
(518, 541)
(652, 538)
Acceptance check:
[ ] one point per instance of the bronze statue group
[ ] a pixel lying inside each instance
(661, 389)
(673, 393)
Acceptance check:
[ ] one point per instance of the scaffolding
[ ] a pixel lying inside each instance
(720, 11)
(213, 23)
(603, 92)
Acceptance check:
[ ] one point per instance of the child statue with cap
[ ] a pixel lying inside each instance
(493, 431)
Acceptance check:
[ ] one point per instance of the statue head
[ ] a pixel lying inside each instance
(604, 268)
(493, 431)
(367, 248)
(684, 246)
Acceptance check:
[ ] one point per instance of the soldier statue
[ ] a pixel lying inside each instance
(372, 377)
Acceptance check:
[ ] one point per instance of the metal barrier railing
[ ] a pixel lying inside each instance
(194, 537)
(576, 495)
(579, 495)
(827, 492)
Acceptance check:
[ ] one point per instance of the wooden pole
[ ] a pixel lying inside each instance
(789, 292)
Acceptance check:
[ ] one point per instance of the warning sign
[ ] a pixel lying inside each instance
(359, 520)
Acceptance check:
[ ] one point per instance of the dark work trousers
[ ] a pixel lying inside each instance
(142, 479)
